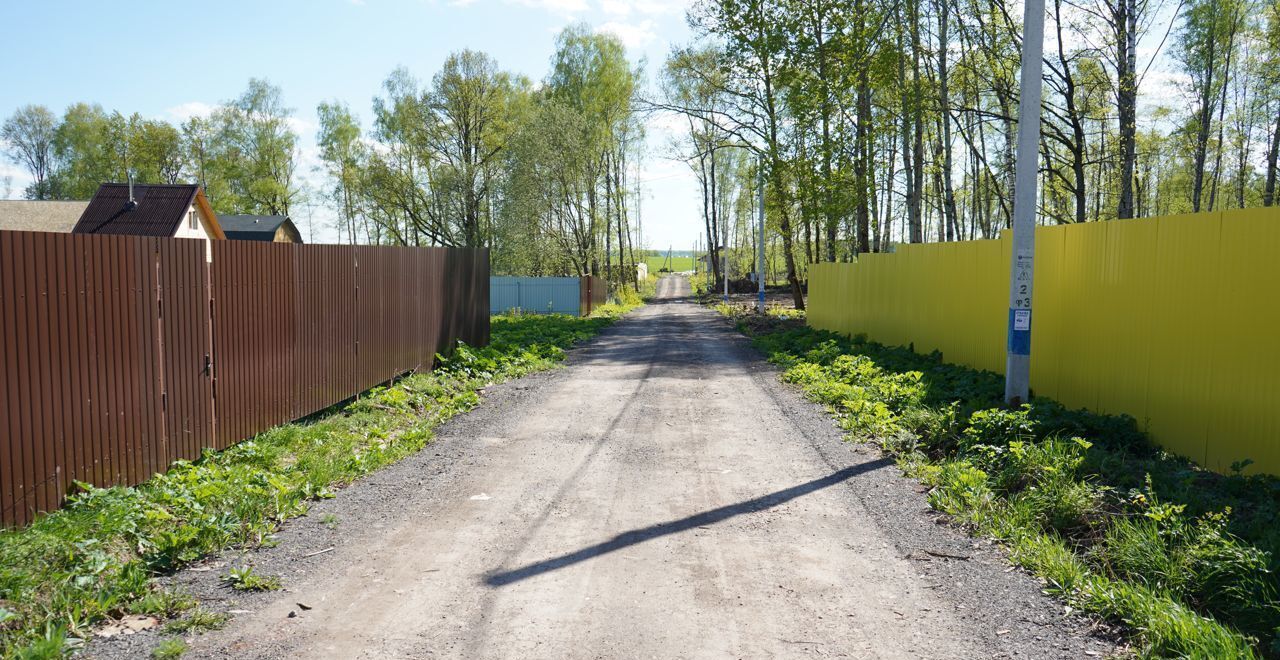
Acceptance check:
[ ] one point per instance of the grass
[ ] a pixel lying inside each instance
(169, 649)
(97, 558)
(197, 620)
(677, 264)
(1184, 559)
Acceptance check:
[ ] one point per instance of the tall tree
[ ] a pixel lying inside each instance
(28, 137)
(754, 40)
(467, 130)
(1206, 43)
(257, 151)
(84, 152)
(343, 155)
(1271, 98)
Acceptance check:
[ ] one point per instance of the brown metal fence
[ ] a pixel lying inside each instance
(594, 292)
(121, 354)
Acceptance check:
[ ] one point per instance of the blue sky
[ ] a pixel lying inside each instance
(172, 59)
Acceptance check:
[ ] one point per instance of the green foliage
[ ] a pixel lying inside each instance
(169, 649)
(165, 603)
(97, 557)
(246, 579)
(1185, 558)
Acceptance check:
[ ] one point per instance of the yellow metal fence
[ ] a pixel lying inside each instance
(1174, 321)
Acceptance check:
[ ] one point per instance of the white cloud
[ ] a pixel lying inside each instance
(1161, 88)
(561, 7)
(14, 179)
(303, 126)
(616, 7)
(667, 124)
(645, 7)
(633, 35)
(185, 111)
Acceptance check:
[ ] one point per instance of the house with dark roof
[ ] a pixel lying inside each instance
(267, 228)
(40, 215)
(162, 210)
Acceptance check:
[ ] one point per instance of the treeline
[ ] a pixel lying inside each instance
(244, 153)
(541, 172)
(877, 122)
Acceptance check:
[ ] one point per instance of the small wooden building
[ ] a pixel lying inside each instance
(267, 228)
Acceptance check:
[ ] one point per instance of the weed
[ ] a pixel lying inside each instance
(245, 579)
(329, 520)
(169, 649)
(165, 603)
(50, 642)
(197, 620)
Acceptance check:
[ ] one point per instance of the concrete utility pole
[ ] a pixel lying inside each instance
(1017, 371)
(724, 258)
(760, 236)
(724, 271)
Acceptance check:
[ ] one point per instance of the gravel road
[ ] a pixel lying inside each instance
(662, 496)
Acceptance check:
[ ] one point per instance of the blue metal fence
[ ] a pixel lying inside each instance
(535, 295)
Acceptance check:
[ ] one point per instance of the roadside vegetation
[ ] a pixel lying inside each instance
(97, 558)
(1184, 558)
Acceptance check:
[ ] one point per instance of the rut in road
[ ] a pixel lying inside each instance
(661, 496)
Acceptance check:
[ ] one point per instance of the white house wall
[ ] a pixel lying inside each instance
(200, 232)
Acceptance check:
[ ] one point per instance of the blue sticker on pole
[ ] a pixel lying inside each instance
(1020, 331)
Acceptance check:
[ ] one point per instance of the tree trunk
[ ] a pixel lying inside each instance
(911, 194)
(1222, 111)
(861, 164)
(944, 101)
(1205, 116)
(1125, 20)
(1273, 163)
(917, 148)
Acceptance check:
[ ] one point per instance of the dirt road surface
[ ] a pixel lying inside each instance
(663, 496)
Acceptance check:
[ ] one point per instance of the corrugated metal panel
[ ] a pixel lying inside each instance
(76, 366)
(105, 360)
(325, 296)
(535, 295)
(255, 335)
(1162, 319)
(186, 344)
(593, 292)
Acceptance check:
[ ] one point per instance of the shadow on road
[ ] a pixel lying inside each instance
(637, 536)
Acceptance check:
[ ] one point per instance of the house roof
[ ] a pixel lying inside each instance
(252, 227)
(159, 211)
(33, 215)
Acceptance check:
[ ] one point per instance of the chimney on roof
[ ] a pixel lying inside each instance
(132, 203)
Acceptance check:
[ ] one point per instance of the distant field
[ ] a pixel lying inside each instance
(677, 263)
